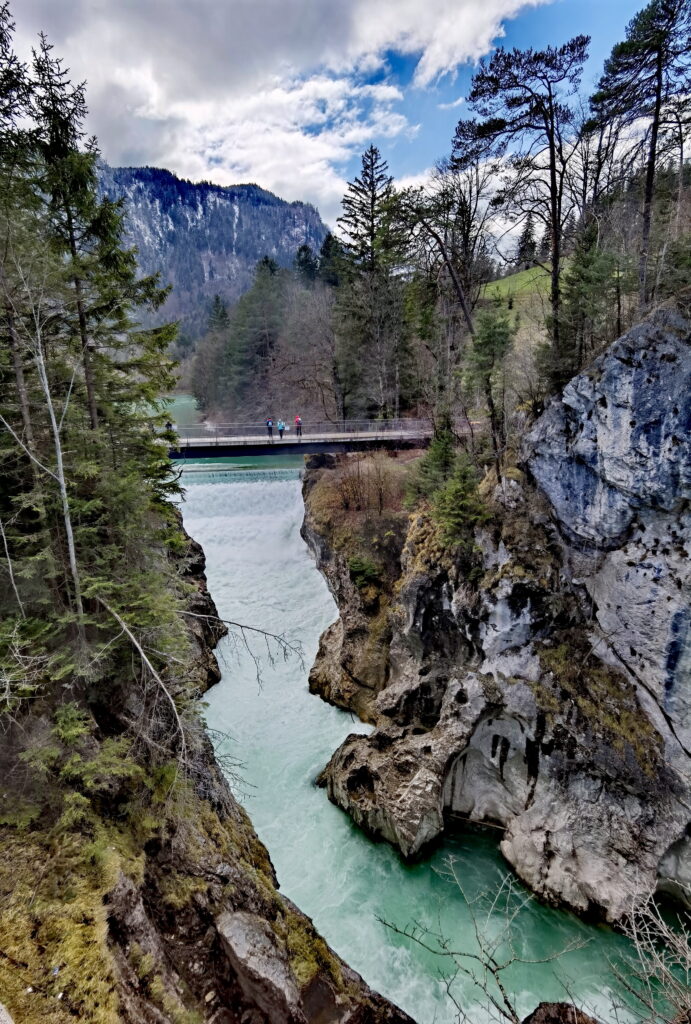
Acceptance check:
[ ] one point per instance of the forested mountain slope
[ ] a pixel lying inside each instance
(206, 239)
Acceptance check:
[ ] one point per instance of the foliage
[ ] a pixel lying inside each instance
(490, 344)
(591, 287)
(363, 572)
(524, 98)
(436, 465)
(457, 506)
(646, 76)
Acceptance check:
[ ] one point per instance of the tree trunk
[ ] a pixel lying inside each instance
(83, 331)
(452, 272)
(491, 408)
(62, 485)
(555, 218)
(680, 187)
(20, 379)
(650, 187)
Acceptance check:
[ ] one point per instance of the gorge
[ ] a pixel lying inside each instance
(389, 736)
(248, 522)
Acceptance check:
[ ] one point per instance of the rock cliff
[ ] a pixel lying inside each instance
(549, 696)
(171, 917)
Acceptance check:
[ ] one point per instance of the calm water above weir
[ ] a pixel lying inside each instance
(261, 573)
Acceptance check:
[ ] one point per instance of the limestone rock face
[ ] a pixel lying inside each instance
(551, 699)
(261, 966)
(352, 663)
(613, 457)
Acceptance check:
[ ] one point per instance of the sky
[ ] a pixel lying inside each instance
(288, 93)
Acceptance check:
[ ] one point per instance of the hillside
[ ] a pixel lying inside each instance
(205, 238)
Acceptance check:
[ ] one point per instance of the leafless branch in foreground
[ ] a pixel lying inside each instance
(277, 645)
(657, 975)
(493, 916)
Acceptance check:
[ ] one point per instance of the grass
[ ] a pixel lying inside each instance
(524, 284)
(526, 295)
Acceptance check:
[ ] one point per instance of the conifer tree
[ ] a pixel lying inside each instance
(218, 315)
(642, 75)
(306, 264)
(545, 247)
(526, 250)
(330, 261)
(490, 345)
(363, 221)
(371, 351)
(78, 514)
(523, 98)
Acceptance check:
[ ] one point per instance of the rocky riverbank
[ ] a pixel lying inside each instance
(174, 918)
(547, 692)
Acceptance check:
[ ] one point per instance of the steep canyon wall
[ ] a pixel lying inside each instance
(549, 696)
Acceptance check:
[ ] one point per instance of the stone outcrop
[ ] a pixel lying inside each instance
(207, 930)
(613, 459)
(558, 1013)
(352, 664)
(550, 697)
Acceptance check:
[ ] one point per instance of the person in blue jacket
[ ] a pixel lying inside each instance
(281, 428)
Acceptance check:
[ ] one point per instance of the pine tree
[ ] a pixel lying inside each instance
(523, 98)
(589, 308)
(306, 264)
(490, 345)
(642, 75)
(545, 248)
(218, 315)
(364, 218)
(82, 518)
(331, 261)
(371, 349)
(436, 465)
(526, 250)
(458, 508)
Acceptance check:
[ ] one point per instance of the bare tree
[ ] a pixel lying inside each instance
(657, 976)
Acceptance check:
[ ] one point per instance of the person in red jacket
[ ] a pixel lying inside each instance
(298, 426)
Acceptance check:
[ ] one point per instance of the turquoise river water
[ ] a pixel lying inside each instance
(261, 573)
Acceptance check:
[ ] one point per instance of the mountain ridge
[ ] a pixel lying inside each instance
(205, 238)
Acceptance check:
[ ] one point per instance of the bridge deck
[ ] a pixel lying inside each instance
(253, 439)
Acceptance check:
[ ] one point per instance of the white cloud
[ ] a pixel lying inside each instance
(452, 105)
(271, 91)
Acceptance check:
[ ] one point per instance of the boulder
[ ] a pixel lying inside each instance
(261, 966)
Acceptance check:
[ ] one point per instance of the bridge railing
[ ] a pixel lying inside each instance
(219, 432)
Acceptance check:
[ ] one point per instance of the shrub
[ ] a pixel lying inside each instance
(363, 572)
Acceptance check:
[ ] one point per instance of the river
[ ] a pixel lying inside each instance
(261, 573)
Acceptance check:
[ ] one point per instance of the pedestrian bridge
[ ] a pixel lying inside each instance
(204, 441)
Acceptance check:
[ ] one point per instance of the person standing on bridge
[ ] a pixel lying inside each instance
(298, 426)
(270, 428)
(281, 428)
